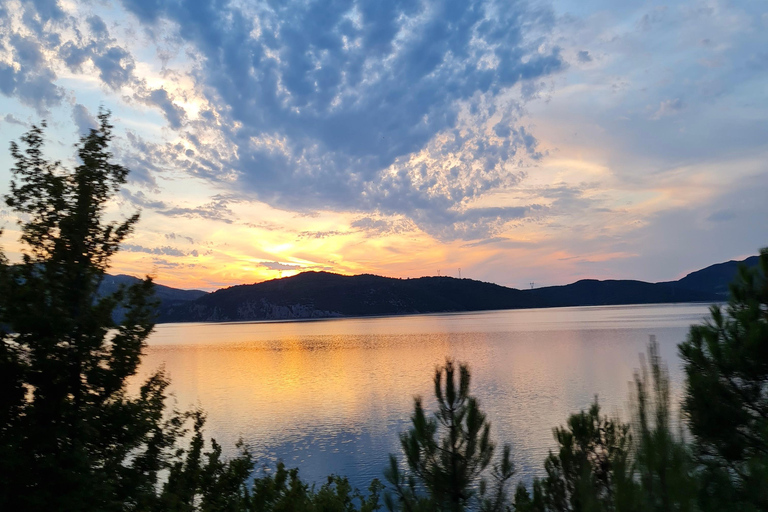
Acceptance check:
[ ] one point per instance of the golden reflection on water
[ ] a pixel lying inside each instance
(332, 396)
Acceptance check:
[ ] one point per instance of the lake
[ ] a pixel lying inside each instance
(331, 396)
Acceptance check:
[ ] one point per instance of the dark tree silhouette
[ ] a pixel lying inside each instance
(590, 471)
(726, 394)
(71, 437)
(663, 466)
(448, 453)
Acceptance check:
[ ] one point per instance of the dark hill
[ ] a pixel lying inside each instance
(168, 297)
(323, 295)
(165, 294)
(590, 292)
(715, 278)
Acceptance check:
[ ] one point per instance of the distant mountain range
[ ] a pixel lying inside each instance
(327, 295)
(168, 296)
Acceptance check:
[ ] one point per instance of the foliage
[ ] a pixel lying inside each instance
(726, 394)
(591, 469)
(285, 491)
(206, 483)
(524, 502)
(71, 437)
(447, 454)
(664, 468)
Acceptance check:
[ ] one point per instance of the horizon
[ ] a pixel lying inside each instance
(522, 141)
(737, 260)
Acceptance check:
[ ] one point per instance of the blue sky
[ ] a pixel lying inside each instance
(520, 141)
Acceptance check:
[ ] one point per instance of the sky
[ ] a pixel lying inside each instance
(508, 141)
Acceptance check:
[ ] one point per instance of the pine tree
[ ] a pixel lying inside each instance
(726, 394)
(71, 437)
(448, 453)
(591, 471)
(662, 461)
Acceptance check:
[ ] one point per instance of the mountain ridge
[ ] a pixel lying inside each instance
(327, 295)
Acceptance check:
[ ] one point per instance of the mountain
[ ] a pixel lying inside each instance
(167, 296)
(326, 295)
(323, 295)
(591, 292)
(715, 278)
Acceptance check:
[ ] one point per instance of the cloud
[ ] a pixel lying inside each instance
(303, 106)
(97, 26)
(382, 226)
(174, 236)
(725, 215)
(30, 79)
(275, 265)
(11, 119)
(141, 157)
(217, 209)
(319, 234)
(162, 251)
(173, 114)
(318, 105)
(41, 14)
(116, 66)
(173, 265)
(727, 225)
(34, 89)
(74, 56)
(583, 56)
(487, 241)
(141, 200)
(83, 119)
(47, 10)
(27, 51)
(668, 108)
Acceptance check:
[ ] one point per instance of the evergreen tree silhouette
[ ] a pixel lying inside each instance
(447, 454)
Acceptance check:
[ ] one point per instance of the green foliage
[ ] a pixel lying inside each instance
(591, 469)
(71, 437)
(663, 464)
(446, 454)
(726, 395)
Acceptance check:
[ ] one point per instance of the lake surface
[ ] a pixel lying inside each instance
(331, 396)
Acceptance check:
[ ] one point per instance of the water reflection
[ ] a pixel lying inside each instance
(331, 396)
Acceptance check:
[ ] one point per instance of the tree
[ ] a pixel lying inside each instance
(448, 453)
(726, 394)
(286, 492)
(663, 465)
(71, 438)
(591, 470)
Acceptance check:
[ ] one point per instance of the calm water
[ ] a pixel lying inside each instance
(331, 396)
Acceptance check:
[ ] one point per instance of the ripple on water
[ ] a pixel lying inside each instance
(332, 396)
